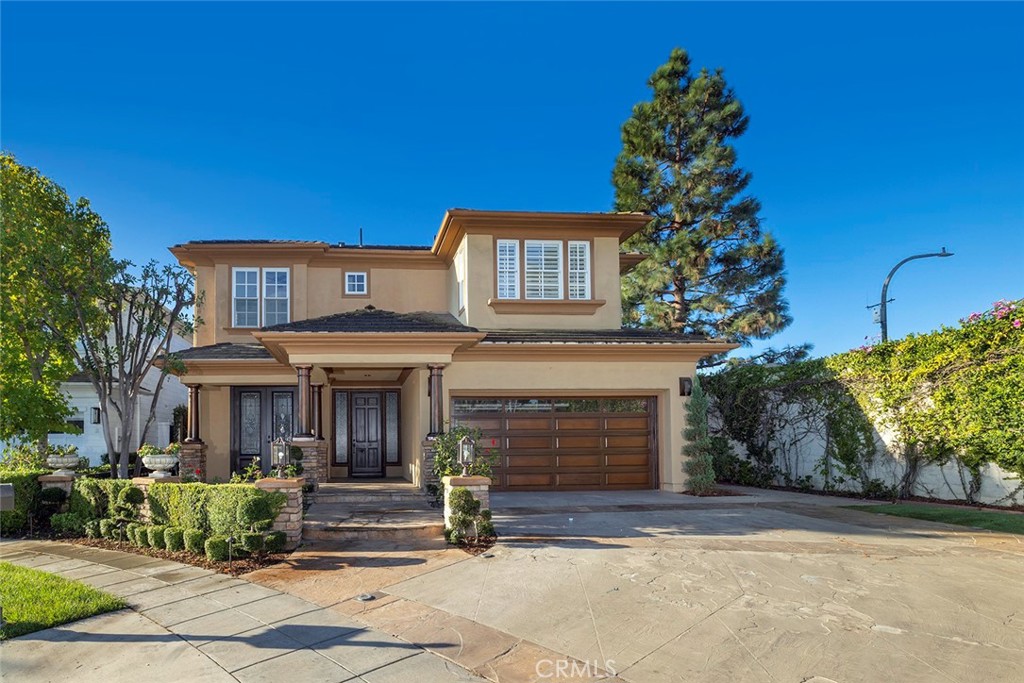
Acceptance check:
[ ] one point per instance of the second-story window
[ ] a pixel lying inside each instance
(543, 270)
(275, 296)
(246, 300)
(579, 270)
(355, 283)
(508, 269)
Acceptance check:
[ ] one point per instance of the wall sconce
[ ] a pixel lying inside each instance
(467, 453)
(685, 386)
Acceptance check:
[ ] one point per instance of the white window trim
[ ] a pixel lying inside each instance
(263, 293)
(587, 279)
(461, 279)
(560, 265)
(366, 283)
(516, 265)
(234, 297)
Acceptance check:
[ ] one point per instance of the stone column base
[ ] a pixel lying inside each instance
(289, 520)
(315, 468)
(192, 460)
(427, 476)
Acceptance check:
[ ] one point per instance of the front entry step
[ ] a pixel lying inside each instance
(334, 522)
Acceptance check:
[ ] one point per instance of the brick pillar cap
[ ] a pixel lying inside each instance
(54, 478)
(466, 481)
(275, 483)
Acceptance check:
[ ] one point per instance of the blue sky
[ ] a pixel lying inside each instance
(877, 130)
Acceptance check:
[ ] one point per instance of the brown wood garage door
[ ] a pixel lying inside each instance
(565, 443)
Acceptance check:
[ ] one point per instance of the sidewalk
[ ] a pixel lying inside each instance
(188, 623)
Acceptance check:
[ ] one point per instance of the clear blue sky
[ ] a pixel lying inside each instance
(877, 130)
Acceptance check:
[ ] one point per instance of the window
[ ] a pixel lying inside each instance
(355, 283)
(95, 413)
(543, 269)
(275, 296)
(246, 301)
(579, 270)
(508, 269)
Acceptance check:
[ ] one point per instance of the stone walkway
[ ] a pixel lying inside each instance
(188, 623)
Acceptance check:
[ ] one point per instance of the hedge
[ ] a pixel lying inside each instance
(214, 509)
(26, 499)
(95, 498)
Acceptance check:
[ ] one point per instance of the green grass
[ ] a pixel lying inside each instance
(34, 600)
(1007, 522)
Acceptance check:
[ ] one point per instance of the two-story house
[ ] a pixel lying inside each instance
(510, 322)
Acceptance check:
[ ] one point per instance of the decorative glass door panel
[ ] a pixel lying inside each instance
(259, 416)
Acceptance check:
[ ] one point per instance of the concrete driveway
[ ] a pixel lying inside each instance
(766, 587)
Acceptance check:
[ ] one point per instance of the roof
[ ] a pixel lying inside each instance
(314, 243)
(376, 320)
(395, 247)
(319, 243)
(625, 335)
(225, 351)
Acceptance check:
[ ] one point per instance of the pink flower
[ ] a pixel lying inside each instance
(1018, 323)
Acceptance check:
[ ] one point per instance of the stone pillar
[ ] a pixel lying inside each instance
(427, 476)
(480, 487)
(315, 468)
(436, 400)
(318, 398)
(192, 460)
(305, 430)
(193, 414)
(289, 520)
(57, 481)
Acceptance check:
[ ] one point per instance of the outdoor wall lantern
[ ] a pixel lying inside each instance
(279, 455)
(686, 386)
(467, 452)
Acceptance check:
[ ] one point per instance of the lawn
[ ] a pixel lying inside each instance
(1008, 522)
(33, 600)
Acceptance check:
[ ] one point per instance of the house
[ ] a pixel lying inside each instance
(510, 322)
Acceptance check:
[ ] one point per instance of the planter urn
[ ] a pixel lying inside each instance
(63, 465)
(161, 464)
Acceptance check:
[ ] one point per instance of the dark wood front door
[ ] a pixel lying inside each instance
(367, 454)
(260, 415)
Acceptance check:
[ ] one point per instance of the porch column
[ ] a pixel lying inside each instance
(193, 414)
(318, 427)
(436, 400)
(305, 431)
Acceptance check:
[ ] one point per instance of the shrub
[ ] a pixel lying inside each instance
(275, 541)
(251, 542)
(174, 538)
(183, 505)
(23, 457)
(108, 528)
(132, 532)
(466, 517)
(142, 536)
(226, 502)
(92, 527)
(155, 535)
(95, 498)
(217, 549)
(67, 524)
(51, 495)
(699, 466)
(26, 499)
(195, 540)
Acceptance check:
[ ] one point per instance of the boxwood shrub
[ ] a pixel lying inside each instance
(195, 540)
(275, 541)
(92, 527)
(214, 509)
(156, 536)
(174, 538)
(67, 524)
(26, 499)
(108, 528)
(217, 549)
(95, 498)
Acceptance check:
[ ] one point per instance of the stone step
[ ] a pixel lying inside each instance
(361, 498)
(433, 533)
(415, 521)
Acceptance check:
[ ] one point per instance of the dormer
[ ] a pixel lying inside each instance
(530, 270)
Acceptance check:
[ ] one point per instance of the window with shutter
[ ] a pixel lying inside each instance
(543, 270)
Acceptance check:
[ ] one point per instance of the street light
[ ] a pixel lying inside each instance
(883, 319)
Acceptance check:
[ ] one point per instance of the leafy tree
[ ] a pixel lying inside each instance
(43, 230)
(710, 270)
(700, 465)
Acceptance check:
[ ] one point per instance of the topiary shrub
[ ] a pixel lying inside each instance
(132, 532)
(51, 495)
(67, 524)
(251, 542)
(92, 527)
(234, 508)
(195, 540)
(142, 536)
(216, 549)
(275, 542)
(174, 538)
(95, 498)
(181, 505)
(108, 528)
(156, 536)
(466, 517)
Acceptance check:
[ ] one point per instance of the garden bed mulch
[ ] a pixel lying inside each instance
(236, 567)
(477, 547)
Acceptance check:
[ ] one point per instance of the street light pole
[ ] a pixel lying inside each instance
(883, 318)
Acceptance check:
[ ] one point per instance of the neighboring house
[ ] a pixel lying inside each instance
(510, 322)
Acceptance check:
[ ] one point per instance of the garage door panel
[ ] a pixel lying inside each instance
(584, 444)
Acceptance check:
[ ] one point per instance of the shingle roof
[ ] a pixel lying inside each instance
(376, 320)
(225, 351)
(313, 242)
(622, 336)
(395, 247)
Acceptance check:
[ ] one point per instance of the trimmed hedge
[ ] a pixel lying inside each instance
(195, 540)
(26, 499)
(275, 541)
(217, 549)
(67, 524)
(174, 538)
(95, 498)
(214, 509)
(92, 527)
(156, 536)
(108, 528)
(252, 542)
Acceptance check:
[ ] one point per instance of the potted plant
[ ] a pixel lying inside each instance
(63, 459)
(159, 460)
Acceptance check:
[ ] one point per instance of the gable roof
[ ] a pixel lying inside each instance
(375, 320)
(225, 351)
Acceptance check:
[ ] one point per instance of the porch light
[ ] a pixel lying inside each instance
(279, 455)
(467, 453)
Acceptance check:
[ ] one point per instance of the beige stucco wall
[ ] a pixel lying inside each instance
(415, 422)
(215, 430)
(521, 377)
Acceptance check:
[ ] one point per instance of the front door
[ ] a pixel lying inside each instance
(261, 415)
(367, 452)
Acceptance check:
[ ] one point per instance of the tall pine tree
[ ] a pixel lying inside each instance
(710, 269)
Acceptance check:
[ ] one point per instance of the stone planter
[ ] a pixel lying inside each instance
(63, 465)
(161, 464)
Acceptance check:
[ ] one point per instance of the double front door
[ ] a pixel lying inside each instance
(260, 415)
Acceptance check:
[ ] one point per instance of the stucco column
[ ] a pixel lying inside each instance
(193, 414)
(318, 397)
(305, 431)
(436, 400)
